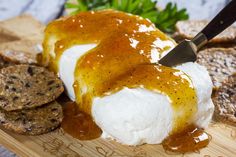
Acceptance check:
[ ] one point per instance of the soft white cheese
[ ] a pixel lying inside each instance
(67, 65)
(137, 116)
(134, 116)
(203, 85)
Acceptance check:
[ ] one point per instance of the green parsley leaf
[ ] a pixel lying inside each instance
(164, 19)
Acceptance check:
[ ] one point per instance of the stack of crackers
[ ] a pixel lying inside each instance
(27, 91)
(219, 57)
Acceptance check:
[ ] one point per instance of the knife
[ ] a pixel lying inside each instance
(187, 50)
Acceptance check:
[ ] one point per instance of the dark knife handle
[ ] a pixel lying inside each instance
(224, 19)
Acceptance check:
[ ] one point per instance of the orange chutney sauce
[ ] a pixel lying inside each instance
(121, 59)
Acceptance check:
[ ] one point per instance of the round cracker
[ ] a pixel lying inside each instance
(27, 86)
(35, 121)
(220, 63)
(4, 63)
(190, 28)
(225, 101)
(21, 51)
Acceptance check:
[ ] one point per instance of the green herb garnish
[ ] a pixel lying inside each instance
(164, 19)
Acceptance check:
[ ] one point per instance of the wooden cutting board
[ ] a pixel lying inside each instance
(60, 144)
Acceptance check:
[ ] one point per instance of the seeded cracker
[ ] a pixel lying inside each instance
(225, 101)
(33, 121)
(220, 63)
(188, 29)
(4, 63)
(21, 51)
(27, 86)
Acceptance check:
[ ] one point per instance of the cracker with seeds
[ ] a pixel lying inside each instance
(4, 63)
(27, 86)
(21, 51)
(188, 29)
(220, 63)
(225, 101)
(33, 121)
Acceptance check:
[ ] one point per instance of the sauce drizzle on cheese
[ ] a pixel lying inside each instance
(123, 57)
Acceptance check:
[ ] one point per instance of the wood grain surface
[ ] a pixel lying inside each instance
(60, 144)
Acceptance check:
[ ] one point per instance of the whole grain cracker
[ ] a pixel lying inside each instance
(188, 29)
(27, 86)
(33, 121)
(21, 51)
(220, 63)
(4, 63)
(225, 101)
